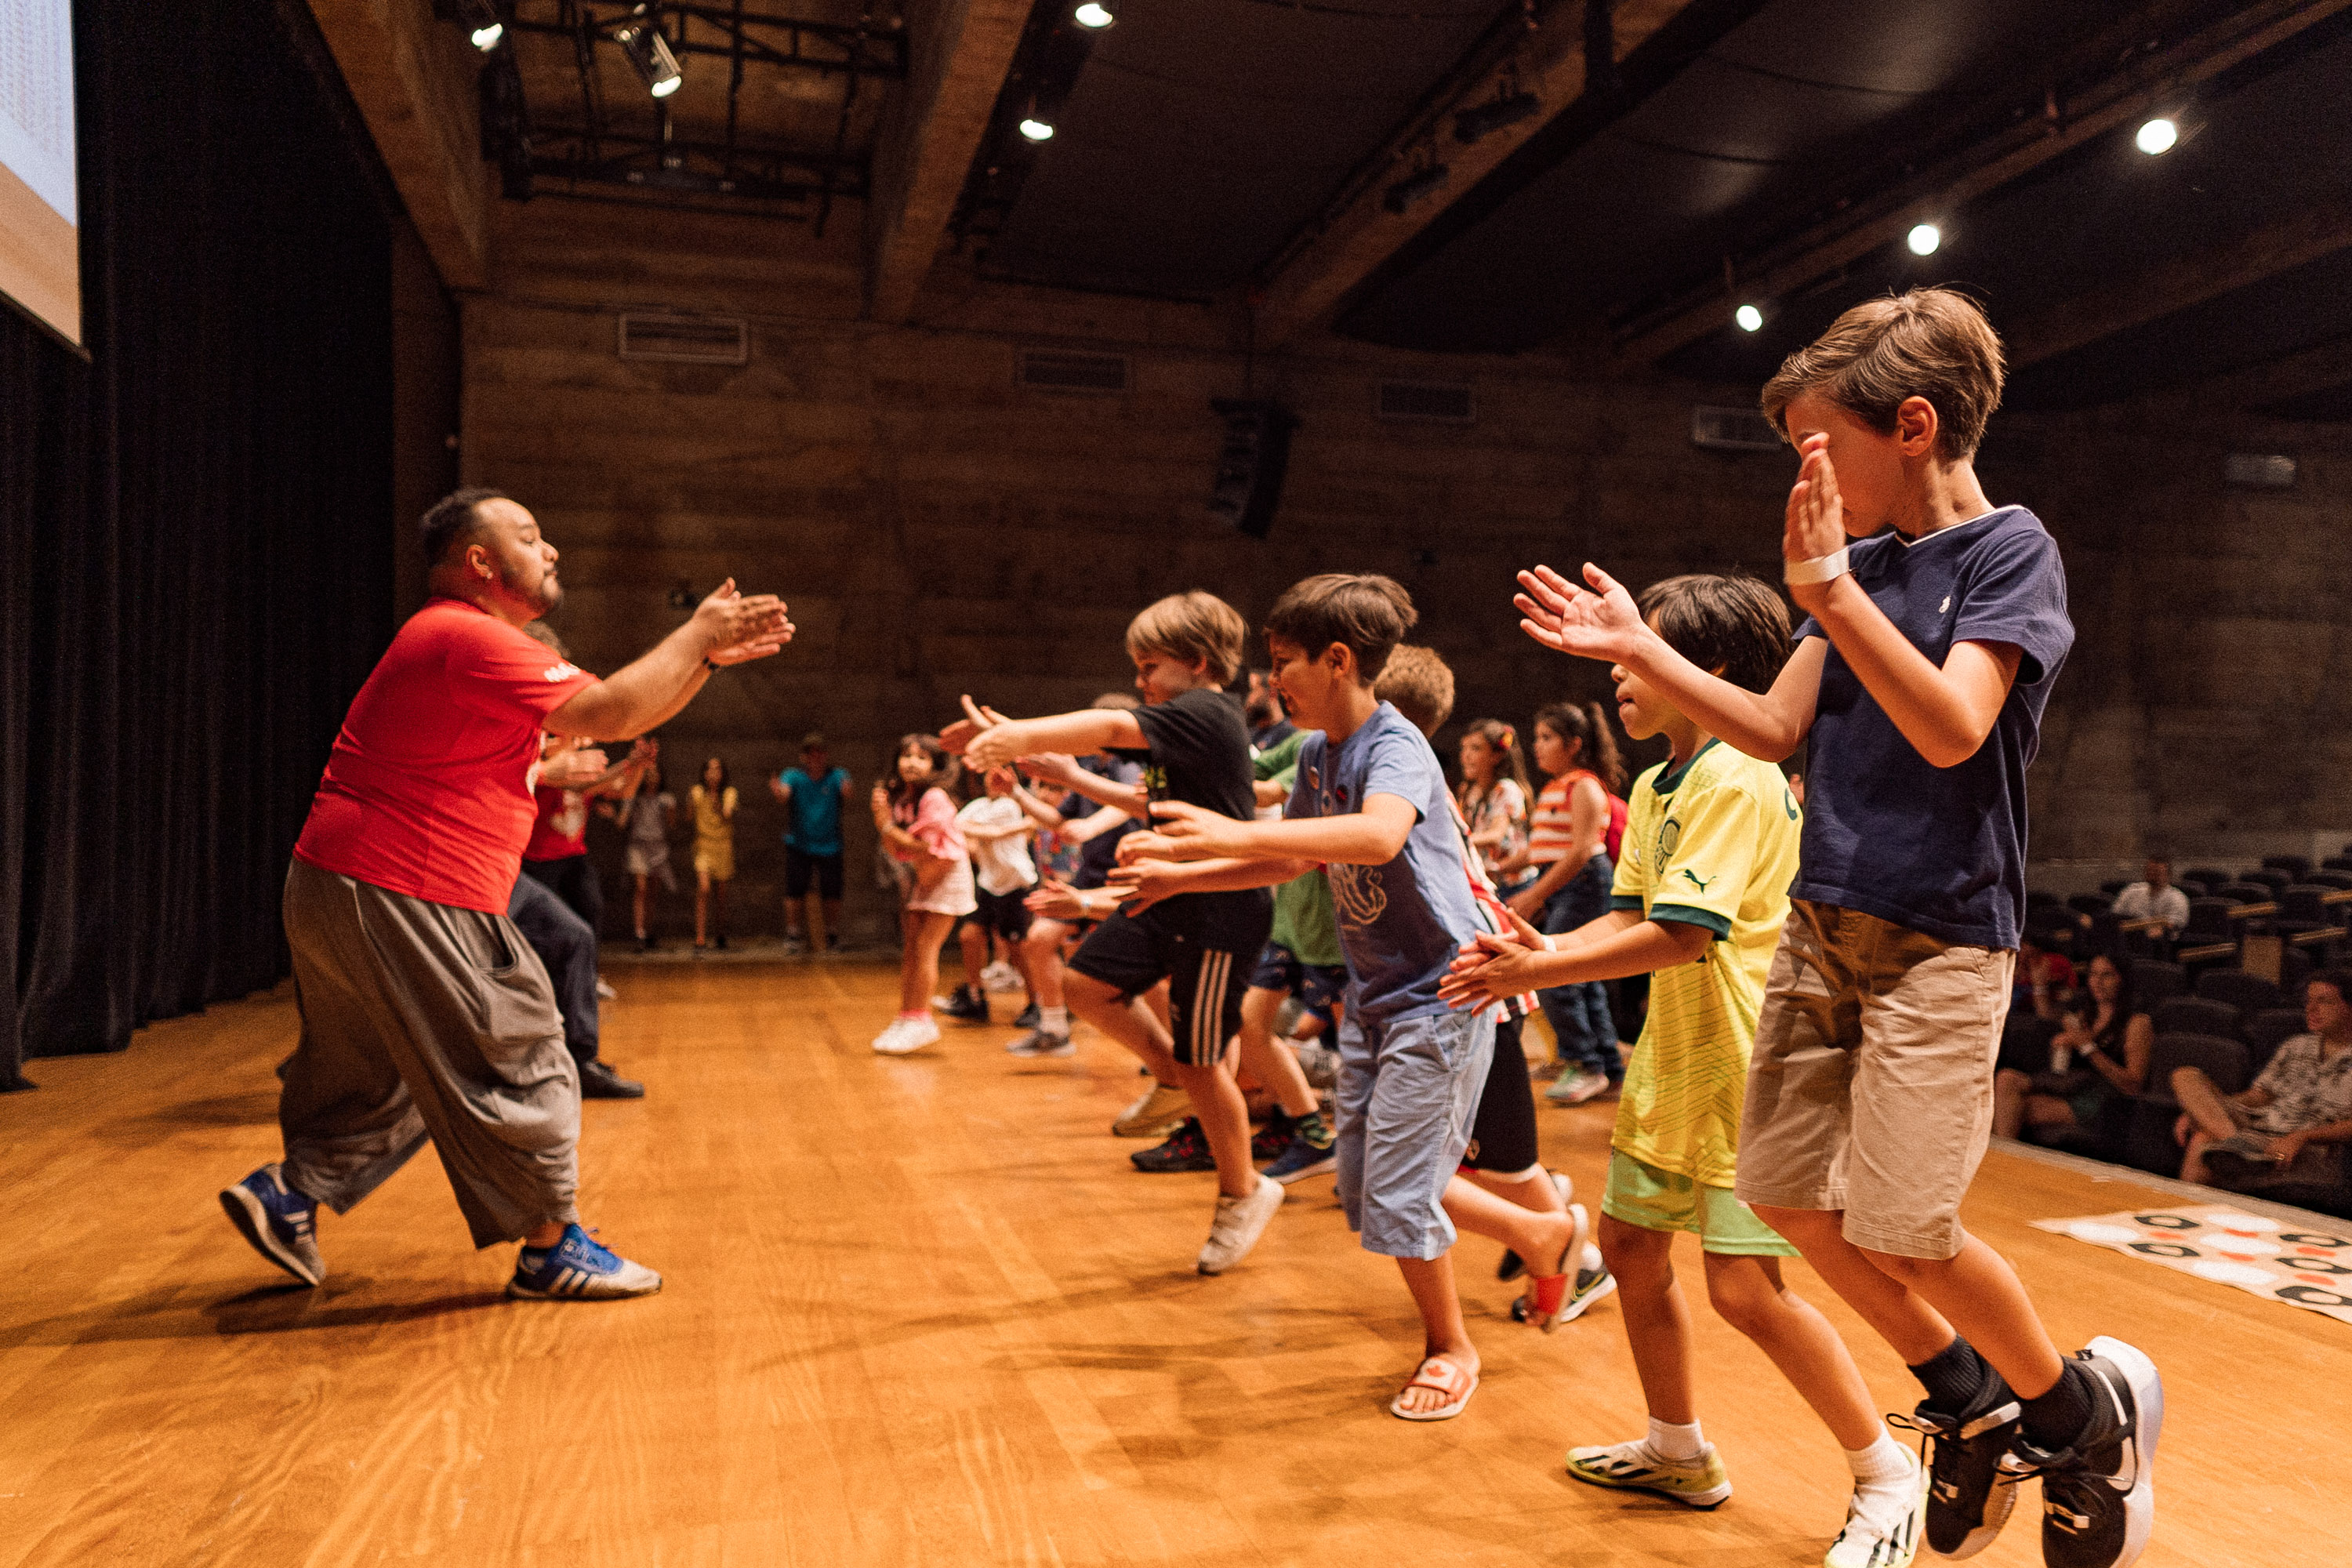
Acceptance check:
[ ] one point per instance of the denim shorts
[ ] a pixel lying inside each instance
(1408, 1089)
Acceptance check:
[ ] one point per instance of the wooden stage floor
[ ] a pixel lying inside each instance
(921, 1312)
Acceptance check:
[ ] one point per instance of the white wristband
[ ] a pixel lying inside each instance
(1821, 569)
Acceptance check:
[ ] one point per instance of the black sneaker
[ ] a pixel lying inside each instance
(1188, 1149)
(1269, 1140)
(719, 941)
(2098, 1494)
(967, 1005)
(599, 1081)
(1966, 1508)
(1028, 1018)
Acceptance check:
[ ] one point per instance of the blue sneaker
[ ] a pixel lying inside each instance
(278, 1220)
(1303, 1155)
(577, 1270)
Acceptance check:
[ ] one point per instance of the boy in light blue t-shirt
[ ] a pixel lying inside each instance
(1371, 807)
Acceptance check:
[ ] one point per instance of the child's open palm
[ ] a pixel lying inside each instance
(1816, 513)
(1603, 623)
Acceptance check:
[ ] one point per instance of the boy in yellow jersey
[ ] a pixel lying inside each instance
(1701, 891)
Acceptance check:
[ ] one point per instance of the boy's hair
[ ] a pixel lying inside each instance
(1418, 684)
(1193, 628)
(1505, 741)
(453, 517)
(2336, 977)
(1930, 342)
(1731, 623)
(1596, 748)
(1365, 614)
(945, 765)
(546, 636)
(813, 741)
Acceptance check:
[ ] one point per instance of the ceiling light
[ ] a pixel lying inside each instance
(1093, 13)
(2157, 136)
(1748, 317)
(482, 25)
(1422, 182)
(1485, 117)
(1036, 130)
(1923, 239)
(642, 41)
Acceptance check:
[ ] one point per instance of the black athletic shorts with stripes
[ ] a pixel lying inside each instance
(1204, 983)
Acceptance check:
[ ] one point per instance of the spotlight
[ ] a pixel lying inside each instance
(1749, 317)
(1093, 13)
(1422, 182)
(1923, 239)
(641, 39)
(2158, 136)
(1035, 129)
(482, 25)
(1487, 118)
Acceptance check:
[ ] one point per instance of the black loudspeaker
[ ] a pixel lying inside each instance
(1251, 463)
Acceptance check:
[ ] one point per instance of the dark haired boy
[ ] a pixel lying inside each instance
(1371, 807)
(1920, 677)
(1700, 895)
(1194, 746)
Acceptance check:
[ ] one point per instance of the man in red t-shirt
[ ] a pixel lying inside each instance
(425, 1013)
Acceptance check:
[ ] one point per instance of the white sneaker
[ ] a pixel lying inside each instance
(1884, 1523)
(1001, 976)
(605, 991)
(1156, 1110)
(1238, 1224)
(905, 1034)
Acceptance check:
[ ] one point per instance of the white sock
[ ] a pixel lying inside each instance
(1884, 1460)
(1681, 1443)
(1054, 1020)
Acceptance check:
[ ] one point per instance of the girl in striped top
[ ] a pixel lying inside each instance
(1578, 827)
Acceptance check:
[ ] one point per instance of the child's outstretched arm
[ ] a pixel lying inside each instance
(989, 739)
(1373, 836)
(1944, 712)
(1620, 944)
(1144, 883)
(1603, 623)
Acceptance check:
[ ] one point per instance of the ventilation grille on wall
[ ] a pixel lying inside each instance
(1053, 370)
(1733, 430)
(1445, 402)
(685, 339)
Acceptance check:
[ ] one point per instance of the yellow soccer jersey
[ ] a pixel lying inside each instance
(1712, 846)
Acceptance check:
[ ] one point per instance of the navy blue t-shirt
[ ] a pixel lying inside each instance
(1402, 923)
(1940, 850)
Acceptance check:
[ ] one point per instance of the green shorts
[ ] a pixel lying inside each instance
(1643, 1194)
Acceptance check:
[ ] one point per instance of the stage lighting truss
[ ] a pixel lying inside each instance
(681, 144)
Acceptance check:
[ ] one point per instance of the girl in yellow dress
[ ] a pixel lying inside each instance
(713, 802)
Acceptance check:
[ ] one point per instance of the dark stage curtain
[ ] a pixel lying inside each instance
(197, 568)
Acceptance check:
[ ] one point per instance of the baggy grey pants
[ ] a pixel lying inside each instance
(423, 1020)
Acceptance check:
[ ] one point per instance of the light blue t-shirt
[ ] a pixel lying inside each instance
(1402, 923)
(816, 823)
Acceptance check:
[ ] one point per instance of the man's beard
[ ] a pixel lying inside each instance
(544, 597)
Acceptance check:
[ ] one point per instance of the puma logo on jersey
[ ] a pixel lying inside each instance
(563, 671)
(1695, 882)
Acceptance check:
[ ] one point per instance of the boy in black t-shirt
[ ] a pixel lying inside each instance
(1193, 741)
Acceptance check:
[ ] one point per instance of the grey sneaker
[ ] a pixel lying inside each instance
(1042, 1042)
(1576, 1088)
(1159, 1109)
(1238, 1224)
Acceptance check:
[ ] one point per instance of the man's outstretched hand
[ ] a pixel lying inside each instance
(1602, 624)
(742, 626)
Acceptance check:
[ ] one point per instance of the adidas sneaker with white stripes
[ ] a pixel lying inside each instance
(577, 1270)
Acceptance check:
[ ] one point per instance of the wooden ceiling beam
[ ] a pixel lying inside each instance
(412, 79)
(2148, 84)
(2136, 299)
(959, 53)
(2315, 369)
(1351, 242)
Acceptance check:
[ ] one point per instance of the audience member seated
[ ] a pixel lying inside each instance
(2045, 980)
(2099, 1060)
(2154, 897)
(2291, 1126)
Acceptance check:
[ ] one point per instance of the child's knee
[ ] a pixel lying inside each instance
(1909, 1272)
(1743, 1294)
(1638, 1256)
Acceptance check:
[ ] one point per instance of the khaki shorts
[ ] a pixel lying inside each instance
(1870, 1088)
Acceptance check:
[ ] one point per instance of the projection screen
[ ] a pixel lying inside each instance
(40, 257)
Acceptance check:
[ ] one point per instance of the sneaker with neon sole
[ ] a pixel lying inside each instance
(1884, 1523)
(278, 1221)
(578, 1269)
(1635, 1467)
(1312, 1150)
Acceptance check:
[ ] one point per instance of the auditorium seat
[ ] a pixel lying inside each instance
(2148, 1143)
(2266, 1031)
(2248, 994)
(2298, 867)
(2194, 1016)
(2093, 904)
(2155, 981)
(2206, 877)
(2269, 877)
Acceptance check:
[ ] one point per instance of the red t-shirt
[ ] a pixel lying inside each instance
(428, 790)
(560, 829)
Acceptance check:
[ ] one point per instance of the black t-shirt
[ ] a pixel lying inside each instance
(1200, 754)
(1271, 735)
(1098, 855)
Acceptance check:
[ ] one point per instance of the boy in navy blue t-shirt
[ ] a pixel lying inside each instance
(1920, 677)
(1370, 808)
